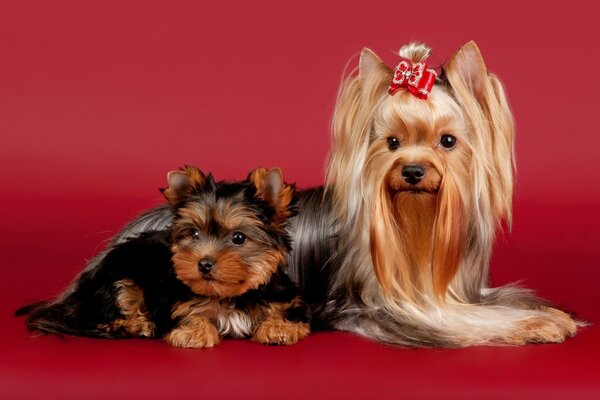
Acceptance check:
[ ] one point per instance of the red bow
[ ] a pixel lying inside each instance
(418, 79)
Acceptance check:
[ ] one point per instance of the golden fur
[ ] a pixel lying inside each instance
(420, 253)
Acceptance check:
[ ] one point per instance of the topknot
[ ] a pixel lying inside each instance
(415, 52)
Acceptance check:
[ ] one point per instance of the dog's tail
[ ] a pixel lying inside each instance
(60, 318)
(25, 310)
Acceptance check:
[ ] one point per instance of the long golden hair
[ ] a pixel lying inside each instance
(472, 197)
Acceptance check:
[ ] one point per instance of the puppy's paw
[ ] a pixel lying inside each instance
(141, 327)
(197, 335)
(553, 326)
(277, 331)
(130, 327)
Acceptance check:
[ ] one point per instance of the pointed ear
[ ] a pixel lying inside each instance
(183, 183)
(352, 118)
(271, 188)
(484, 103)
(467, 69)
(369, 62)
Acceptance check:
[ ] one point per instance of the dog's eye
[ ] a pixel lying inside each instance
(195, 234)
(393, 143)
(238, 238)
(448, 141)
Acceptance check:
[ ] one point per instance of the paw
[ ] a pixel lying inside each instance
(194, 336)
(141, 328)
(553, 327)
(559, 327)
(135, 327)
(280, 331)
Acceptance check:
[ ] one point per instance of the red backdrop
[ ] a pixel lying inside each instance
(99, 100)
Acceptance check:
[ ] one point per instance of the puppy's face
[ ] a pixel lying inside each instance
(229, 238)
(414, 143)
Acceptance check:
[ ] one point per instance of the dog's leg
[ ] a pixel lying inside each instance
(277, 330)
(456, 325)
(550, 325)
(193, 330)
(130, 301)
(285, 324)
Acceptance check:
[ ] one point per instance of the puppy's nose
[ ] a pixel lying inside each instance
(205, 265)
(413, 173)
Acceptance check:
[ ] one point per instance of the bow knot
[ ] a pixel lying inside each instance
(418, 79)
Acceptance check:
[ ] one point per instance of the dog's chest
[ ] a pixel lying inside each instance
(234, 322)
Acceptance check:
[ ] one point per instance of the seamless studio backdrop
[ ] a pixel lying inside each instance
(98, 101)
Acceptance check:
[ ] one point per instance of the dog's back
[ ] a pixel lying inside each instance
(313, 258)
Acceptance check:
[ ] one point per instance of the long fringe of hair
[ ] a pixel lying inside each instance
(449, 302)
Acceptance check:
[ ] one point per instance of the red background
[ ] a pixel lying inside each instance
(99, 101)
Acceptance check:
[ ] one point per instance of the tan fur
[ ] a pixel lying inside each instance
(540, 330)
(282, 197)
(275, 329)
(236, 270)
(421, 258)
(130, 300)
(194, 328)
(207, 318)
(194, 332)
(280, 331)
(232, 276)
(182, 182)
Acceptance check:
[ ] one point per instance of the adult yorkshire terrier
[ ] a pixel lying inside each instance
(420, 178)
(397, 245)
(217, 271)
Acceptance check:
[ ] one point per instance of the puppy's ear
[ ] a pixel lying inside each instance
(271, 188)
(466, 69)
(183, 183)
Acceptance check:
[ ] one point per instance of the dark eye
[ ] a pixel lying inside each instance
(195, 234)
(448, 141)
(238, 238)
(393, 143)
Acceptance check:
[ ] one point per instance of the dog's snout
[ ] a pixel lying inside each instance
(413, 173)
(206, 265)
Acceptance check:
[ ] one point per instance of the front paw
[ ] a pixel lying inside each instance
(194, 336)
(553, 327)
(558, 327)
(277, 331)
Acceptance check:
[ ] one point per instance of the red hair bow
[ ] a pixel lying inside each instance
(418, 79)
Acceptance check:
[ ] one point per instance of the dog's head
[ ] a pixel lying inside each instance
(428, 174)
(228, 238)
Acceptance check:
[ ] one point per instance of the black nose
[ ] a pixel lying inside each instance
(206, 265)
(413, 173)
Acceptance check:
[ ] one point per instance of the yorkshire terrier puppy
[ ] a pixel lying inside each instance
(216, 271)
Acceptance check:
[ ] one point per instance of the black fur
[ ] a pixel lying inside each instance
(145, 258)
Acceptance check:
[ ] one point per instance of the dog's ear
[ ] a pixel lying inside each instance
(368, 62)
(183, 183)
(271, 188)
(359, 94)
(467, 69)
(484, 103)
(372, 71)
